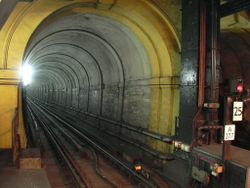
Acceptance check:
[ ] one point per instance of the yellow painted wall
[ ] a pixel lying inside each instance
(9, 90)
(8, 103)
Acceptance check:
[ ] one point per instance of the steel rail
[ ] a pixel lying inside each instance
(62, 151)
(75, 141)
(99, 147)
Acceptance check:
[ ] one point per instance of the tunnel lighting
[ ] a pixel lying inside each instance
(240, 88)
(138, 168)
(26, 74)
(236, 86)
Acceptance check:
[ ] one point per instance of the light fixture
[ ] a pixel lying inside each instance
(26, 74)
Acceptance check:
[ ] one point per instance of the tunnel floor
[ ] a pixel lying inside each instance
(12, 177)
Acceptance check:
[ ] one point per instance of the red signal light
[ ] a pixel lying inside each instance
(240, 88)
(236, 86)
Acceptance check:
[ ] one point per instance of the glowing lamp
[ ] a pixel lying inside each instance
(240, 88)
(138, 168)
(26, 74)
(236, 86)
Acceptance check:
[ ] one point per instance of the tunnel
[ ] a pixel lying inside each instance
(125, 93)
(107, 70)
(118, 77)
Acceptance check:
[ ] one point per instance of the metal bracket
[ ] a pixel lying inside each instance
(212, 105)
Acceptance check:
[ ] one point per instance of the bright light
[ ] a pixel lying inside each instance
(138, 168)
(240, 88)
(26, 74)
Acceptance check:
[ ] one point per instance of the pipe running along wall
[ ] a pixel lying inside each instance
(119, 61)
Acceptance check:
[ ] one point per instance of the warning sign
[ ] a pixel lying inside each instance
(229, 132)
(237, 111)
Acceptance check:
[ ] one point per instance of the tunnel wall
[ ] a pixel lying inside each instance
(131, 90)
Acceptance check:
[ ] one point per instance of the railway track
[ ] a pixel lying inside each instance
(59, 148)
(58, 130)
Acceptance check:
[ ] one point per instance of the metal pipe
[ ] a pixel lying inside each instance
(163, 138)
(202, 57)
(214, 50)
(140, 130)
(158, 155)
(226, 152)
(212, 71)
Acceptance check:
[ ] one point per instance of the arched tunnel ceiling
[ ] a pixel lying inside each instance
(86, 51)
(104, 47)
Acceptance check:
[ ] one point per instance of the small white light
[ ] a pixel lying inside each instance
(26, 74)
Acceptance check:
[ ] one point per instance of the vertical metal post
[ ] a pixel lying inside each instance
(213, 62)
(203, 52)
(215, 30)
(189, 82)
(226, 154)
